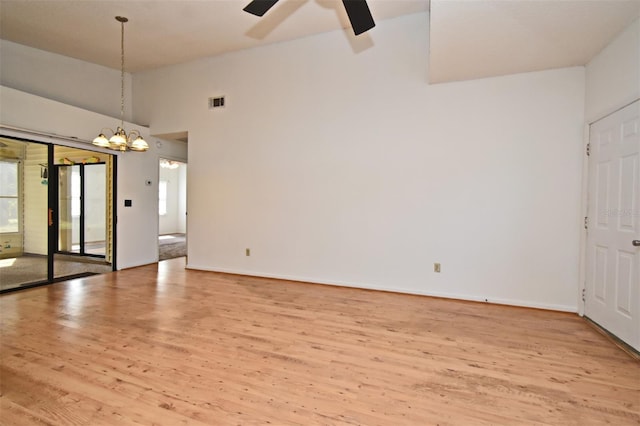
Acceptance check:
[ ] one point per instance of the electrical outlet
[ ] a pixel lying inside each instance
(247, 252)
(436, 267)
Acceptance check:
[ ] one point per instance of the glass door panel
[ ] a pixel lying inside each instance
(95, 209)
(84, 193)
(24, 174)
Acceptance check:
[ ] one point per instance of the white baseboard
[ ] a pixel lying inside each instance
(498, 301)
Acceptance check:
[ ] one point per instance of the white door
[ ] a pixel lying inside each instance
(612, 297)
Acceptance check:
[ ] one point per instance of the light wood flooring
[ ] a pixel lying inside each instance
(160, 345)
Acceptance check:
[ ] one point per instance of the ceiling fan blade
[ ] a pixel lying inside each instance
(259, 7)
(359, 15)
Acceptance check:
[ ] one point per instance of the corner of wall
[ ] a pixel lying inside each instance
(613, 75)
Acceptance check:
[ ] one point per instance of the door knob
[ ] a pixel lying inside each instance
(636, 243)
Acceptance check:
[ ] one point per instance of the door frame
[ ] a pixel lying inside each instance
(82, 223)
(53, 207)
(582, 273)
(186, 199)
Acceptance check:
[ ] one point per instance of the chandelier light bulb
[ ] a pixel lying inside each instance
(139, 144)
(101, 141)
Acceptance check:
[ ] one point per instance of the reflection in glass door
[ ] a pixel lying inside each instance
(82, 209)
(94, 210)
(68, 208)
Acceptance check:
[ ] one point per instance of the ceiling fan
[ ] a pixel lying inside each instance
(357, 10)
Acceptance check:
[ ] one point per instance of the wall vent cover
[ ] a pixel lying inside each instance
(217, 102)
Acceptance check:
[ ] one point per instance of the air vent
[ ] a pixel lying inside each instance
(216, 102)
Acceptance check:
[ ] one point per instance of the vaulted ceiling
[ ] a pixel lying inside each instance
(161, 32)
(475, 39)
(468, 38)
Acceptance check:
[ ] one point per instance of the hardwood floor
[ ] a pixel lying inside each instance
(167, 346)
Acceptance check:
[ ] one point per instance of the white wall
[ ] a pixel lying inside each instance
(613, 76)
(67, 80)
(347, 168)
(137, 228)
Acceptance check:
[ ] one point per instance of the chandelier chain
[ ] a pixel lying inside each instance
(121, 141)
(122, 74)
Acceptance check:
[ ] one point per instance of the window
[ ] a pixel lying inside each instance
(162, 197)
(9, 203)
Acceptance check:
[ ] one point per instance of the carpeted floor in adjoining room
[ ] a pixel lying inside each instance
(172, 246)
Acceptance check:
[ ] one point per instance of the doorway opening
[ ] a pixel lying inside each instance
(172, 209)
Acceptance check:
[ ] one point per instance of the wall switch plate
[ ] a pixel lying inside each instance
(436, 267)
(247, 252)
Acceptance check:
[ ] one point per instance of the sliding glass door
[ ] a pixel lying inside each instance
(56, 213)
(83, 226)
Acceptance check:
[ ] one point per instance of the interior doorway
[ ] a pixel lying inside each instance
(172, 209)
(612, 292)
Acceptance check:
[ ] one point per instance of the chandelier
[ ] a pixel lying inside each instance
(120, 141)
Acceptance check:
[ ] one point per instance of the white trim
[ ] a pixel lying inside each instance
(509, 302)
(611, 111)
(584, 212)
